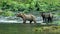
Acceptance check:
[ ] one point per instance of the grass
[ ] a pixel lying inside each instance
(17, 28)
(47, 30)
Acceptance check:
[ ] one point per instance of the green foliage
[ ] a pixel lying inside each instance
(10, 5)
(35, 5)
(8, 13)
(1, 12)
(25, 11)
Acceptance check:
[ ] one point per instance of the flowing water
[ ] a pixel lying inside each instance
(17, 20)
(14, 19)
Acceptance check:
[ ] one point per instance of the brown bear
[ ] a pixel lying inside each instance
(25, 17)
(47, 17)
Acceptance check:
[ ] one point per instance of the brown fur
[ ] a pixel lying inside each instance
(47, 17)
(25, 17)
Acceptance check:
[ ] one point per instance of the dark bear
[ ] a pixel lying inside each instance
(47, 17)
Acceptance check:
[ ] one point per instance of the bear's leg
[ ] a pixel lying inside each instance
(34, 21)
(48, 19)
(44, 20)
(30, 22)
(51, 19)
(24, 21)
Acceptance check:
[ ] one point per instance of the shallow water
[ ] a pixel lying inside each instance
(17, 20)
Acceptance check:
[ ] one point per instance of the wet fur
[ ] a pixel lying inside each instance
(25, 17)
(47, 17)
